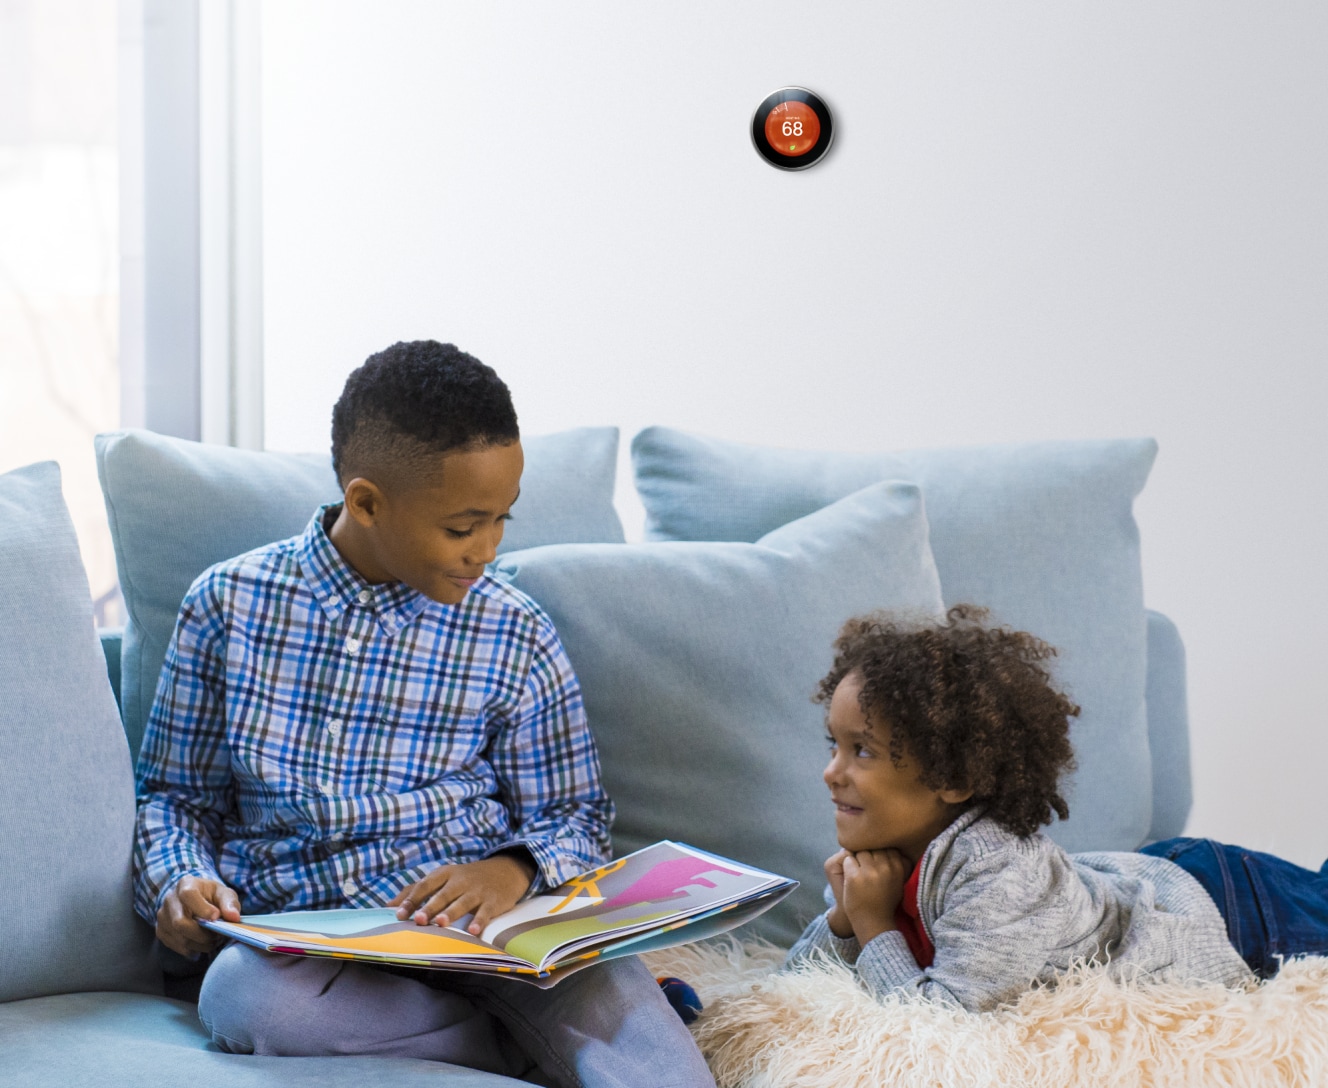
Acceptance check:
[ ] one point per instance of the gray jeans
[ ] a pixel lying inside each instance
(608, 1025)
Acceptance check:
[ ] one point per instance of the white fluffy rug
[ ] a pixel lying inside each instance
(817, 1028)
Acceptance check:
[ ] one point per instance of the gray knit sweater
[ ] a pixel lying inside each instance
(1004, 912)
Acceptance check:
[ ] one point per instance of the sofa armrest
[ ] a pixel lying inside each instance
(1168, 729)
(111, 640)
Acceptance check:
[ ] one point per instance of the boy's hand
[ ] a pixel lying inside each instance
(873, 886)
(487, 888)
(191, 898)
(840, 926)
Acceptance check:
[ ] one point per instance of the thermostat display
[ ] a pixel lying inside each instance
(792, 128)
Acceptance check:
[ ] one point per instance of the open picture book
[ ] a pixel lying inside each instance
(664, 895)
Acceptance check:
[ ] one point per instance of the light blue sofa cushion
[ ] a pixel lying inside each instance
(176, 507)
(1043, 534)
(698, 663)
(1168, 729)
(66, 788)
(120, 1040)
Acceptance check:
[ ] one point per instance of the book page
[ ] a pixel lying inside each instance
(655, 889)
(661, 882)
(373, 930)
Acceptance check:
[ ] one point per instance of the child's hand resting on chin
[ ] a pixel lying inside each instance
(485, 888)
(867, 887)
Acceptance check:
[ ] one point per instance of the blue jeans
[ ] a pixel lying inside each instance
(1273, 909)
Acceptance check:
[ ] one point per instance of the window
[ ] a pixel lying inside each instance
(59, 255)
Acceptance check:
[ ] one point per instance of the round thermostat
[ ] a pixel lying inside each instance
(792, 128)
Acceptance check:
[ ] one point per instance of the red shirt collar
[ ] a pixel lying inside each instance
(909, 922)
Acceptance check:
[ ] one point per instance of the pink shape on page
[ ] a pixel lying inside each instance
(667, 880)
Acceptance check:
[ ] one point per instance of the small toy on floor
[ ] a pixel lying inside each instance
(681, 996)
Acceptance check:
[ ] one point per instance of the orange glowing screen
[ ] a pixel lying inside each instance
(792, 128)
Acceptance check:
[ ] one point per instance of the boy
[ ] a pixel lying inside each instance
(947, 743)
(359, 716)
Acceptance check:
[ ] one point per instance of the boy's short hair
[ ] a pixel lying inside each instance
(412, 401)
(973, 707)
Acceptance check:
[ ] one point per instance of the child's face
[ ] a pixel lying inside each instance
(879, 805)
(437, 538)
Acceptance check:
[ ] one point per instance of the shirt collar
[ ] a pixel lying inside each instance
(909, 902)
(338, 587)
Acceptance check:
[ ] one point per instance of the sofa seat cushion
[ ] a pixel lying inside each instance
(1043, 534)
(66, 786)
(122, 1040)
(699, 661)
(176, 507)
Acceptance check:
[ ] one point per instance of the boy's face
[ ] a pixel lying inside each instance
(879, 805)
(438, 537)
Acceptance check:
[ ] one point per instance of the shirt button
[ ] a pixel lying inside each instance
(352, 645)
(333, 599)
(334, 727)
(364, 596)
(349, 887)
(325, 788)
(336, 836)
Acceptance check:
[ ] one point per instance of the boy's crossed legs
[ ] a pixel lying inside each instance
(608, 1025)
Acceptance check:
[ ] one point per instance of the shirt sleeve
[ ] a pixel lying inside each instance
(1003, 916)
(548, 769)
(819, 943)
(184, 780)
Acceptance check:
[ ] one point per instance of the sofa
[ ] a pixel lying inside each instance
(698, 649)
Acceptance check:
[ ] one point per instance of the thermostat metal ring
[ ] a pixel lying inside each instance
(792, 157)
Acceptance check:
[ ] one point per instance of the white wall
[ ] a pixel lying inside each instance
(1038, 221)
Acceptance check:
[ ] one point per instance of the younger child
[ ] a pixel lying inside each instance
(947, 742)
(360, 717)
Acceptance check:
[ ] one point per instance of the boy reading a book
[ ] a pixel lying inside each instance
(359, 716)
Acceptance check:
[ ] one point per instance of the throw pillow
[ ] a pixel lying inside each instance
(66, 786)
(176, 507)
(698, 663)
(1042, 534)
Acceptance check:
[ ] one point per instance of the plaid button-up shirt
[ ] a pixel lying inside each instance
(317, 741)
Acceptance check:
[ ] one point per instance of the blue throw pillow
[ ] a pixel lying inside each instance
(66, 786)
(176, 507)
(699, 662)
(1043, 534)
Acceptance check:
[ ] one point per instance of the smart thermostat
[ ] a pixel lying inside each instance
(792, 128)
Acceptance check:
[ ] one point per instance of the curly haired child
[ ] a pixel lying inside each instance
(947, 745)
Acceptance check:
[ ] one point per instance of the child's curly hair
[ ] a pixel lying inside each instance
(973, 706)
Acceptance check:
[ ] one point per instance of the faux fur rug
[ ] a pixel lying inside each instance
(817, 1028)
